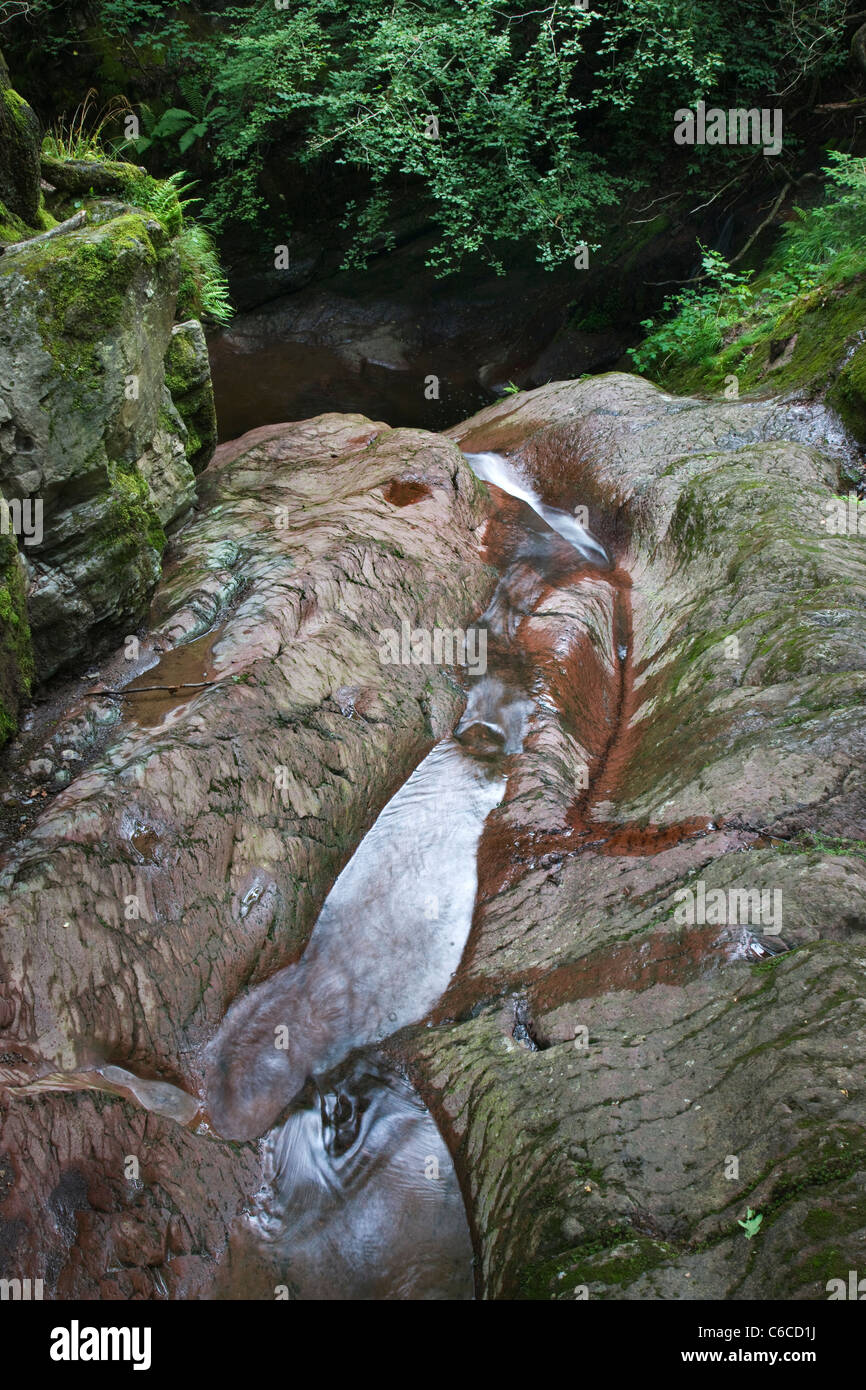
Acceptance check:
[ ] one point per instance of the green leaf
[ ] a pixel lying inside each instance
(752, 1223)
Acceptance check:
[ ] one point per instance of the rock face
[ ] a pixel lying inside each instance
(19, 155)
(189, 384)
(92, 446)
(189, 861)
(658, 1024)
(629, 1061)
(16, 657)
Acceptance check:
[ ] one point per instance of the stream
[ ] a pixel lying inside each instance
(359, 1197)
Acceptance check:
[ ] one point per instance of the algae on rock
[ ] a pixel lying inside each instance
(19, 155)
(16, 655)
(89, 428)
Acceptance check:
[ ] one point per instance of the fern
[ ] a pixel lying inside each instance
(822, 245)
(204, 289)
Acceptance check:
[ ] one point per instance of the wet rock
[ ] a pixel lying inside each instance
(100, 1192)
(696, 796)
(92, 448)
(189, 861)
(19, 154)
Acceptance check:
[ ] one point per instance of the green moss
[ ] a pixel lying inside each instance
(132, 515)
(11, 227)
(848, 393)
(82, 287)
(823, 1266)
(615, 1258)
(180, 365)
(820, 1223)
(16, 653)
(44, 219)
(814, 843)
(17, 107)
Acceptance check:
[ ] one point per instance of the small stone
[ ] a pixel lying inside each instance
(40, 769)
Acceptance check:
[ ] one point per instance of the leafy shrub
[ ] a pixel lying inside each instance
(829, 240)
(822, 245)
(699, 319)
(548, 114)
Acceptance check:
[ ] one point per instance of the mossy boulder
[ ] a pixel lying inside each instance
(16, 655)
(189, 381)
(78, 177)
(86, 320)
(19, 154)
(812, 347)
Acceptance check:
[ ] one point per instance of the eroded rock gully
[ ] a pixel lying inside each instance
(593, 1063)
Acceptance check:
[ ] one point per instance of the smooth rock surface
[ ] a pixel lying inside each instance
(621, 1083)
(188, 862)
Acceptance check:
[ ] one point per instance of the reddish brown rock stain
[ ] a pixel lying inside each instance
(600, 707)
(598, 701)
(402, 492)
(660, 958)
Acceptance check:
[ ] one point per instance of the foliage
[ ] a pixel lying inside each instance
(752, 1223)
(822, 245)
(547, 114)
(82, 135)
(699, 319)
(177, 123)
(829, 241)
(204, 287)
(163, 197)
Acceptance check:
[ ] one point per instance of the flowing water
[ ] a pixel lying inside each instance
(359, 1197)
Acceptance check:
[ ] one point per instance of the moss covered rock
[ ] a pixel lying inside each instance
(86, 321)
(16, 655)
(19, 154)
(189, 381)
(78, 177)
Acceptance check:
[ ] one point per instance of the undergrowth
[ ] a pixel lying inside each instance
(821, 247)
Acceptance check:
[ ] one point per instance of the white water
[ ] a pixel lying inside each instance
(494, 468)
(388, 939)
